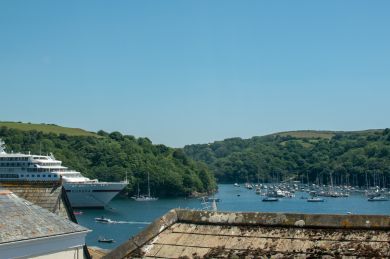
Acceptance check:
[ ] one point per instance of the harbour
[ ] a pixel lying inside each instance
(131, 217)
(194, 129)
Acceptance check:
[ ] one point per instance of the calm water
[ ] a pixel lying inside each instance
(132, 216)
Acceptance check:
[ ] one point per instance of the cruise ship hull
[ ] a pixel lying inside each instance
(92, 195)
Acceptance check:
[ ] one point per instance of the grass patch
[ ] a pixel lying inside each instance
(308, 134)
(48, 128)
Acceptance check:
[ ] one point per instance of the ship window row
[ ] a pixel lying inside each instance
(27, 175)
(40, 157)
(38, 175)
(49, 164)
(7, 169)
(9, 176)
(15, 164)
(41, 170)
(13, 158)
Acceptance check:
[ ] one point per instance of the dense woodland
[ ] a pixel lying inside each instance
(355, 158)
(108, 157)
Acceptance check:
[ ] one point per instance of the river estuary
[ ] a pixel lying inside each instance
(130, 217)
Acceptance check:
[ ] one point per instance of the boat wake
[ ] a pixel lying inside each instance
(131, 222)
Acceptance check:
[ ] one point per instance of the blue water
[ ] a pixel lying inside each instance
(131, 216)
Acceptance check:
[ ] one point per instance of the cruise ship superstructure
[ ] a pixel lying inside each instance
(81, 191)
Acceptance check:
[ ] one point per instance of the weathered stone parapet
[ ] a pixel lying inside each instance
(285, 219)
(206, 234)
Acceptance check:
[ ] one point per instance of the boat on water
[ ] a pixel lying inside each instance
(81, 191)
(236, 185)
(270, 199)
(147, 197)
(315, 199)
(378, 198)
(249, 186)
(102, 219)
(77, 212)
(106, 240)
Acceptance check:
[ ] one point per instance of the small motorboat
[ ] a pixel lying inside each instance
(77, 212)
(378, 198)
(106, 240)
(102, 219)
(270, 199)
(315, 199)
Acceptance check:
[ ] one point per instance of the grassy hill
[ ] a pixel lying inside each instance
(48, 128)
(321, 134)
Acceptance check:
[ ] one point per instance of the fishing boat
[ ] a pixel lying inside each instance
(102, 219)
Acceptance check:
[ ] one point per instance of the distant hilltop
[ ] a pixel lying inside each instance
(48, 128)
(55, 129)
(325, 134)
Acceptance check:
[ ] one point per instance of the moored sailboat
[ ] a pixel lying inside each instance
(145, 197)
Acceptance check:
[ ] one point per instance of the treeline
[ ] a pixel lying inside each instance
(109, 156)
(356, 158)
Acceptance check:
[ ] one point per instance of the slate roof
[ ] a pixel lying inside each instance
(22, 220)
(206, 234)
(48, 195)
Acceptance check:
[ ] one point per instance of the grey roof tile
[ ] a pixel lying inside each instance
(21, 220)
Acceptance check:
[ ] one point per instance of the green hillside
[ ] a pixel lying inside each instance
(359, 158)
(110, 156)
(47, 128)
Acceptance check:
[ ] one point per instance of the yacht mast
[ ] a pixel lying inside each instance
(148, 185)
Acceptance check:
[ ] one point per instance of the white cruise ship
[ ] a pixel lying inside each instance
(81, 191)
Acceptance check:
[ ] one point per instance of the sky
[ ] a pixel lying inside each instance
(194, 71)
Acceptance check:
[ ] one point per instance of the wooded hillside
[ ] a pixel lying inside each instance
(301, 155)
(108, 156)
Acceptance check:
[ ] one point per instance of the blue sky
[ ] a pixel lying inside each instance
(184, 72)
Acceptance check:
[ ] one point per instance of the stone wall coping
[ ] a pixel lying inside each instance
(265, 219)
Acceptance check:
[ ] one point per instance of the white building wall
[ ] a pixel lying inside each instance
(67, 246)
(76, 253)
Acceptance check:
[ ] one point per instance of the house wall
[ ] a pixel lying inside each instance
(66, 246)
(74, 253)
